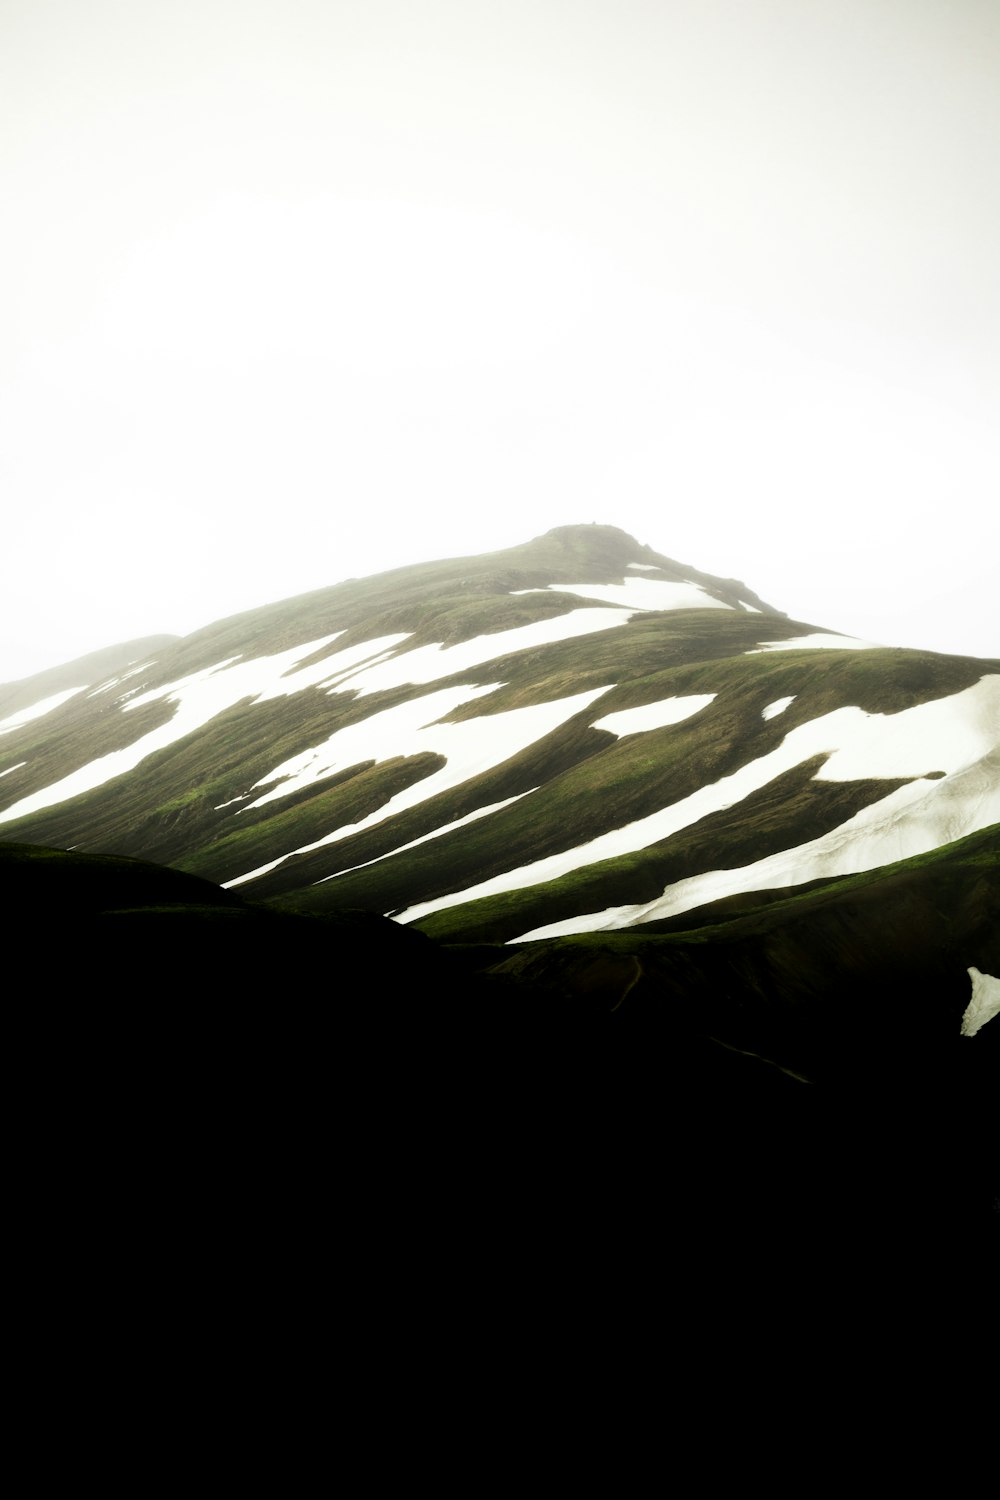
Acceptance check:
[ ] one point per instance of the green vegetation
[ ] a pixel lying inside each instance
(355, 794)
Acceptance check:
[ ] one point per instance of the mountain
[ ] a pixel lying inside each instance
(745, 863)
(577, 733)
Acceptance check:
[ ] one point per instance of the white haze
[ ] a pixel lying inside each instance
(293, 292)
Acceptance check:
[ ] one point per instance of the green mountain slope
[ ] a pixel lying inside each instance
(458, 742)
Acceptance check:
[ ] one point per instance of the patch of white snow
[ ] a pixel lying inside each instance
(654, 715)
(435, 833)
(37, 710)
(381, 736)
(232, 802)
(777, 707)
(470, 747)
(914, 819)
(199, 697)
(818, 641)
(20, 763)
(639, 594)
(334, 684)
(984, 1005)
(105, 687)
(428, 664)
(607, 920)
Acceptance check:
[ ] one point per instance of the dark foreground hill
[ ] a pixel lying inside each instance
(696, 1085)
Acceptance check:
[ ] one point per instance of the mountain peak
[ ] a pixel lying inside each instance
(607, 546)
(607, 552)
(594, 532)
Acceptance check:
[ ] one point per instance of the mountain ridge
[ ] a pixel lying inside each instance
(604, 543)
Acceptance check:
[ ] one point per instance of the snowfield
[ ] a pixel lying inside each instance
(470, 747)
(199, 698)
(373, 666)
(958, 735)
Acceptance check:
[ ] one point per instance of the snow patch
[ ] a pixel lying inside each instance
(105, 687)
(985, 1002)
(199, 697)
(777, 707)
(435, 833)
(428, 664)
(654, 715)
(241, 797)
(469, 747)
(644, 567)
(818, 641)
(332, 685)
(638, 594)
(609, 919)
(915, 819)
(20, 763)
(381, 736)
(37, 710)
(961, 732)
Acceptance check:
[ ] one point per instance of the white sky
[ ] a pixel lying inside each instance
(294, 290)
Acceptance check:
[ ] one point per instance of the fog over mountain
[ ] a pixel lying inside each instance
(302, 292)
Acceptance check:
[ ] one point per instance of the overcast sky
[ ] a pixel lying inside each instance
(294, 290)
